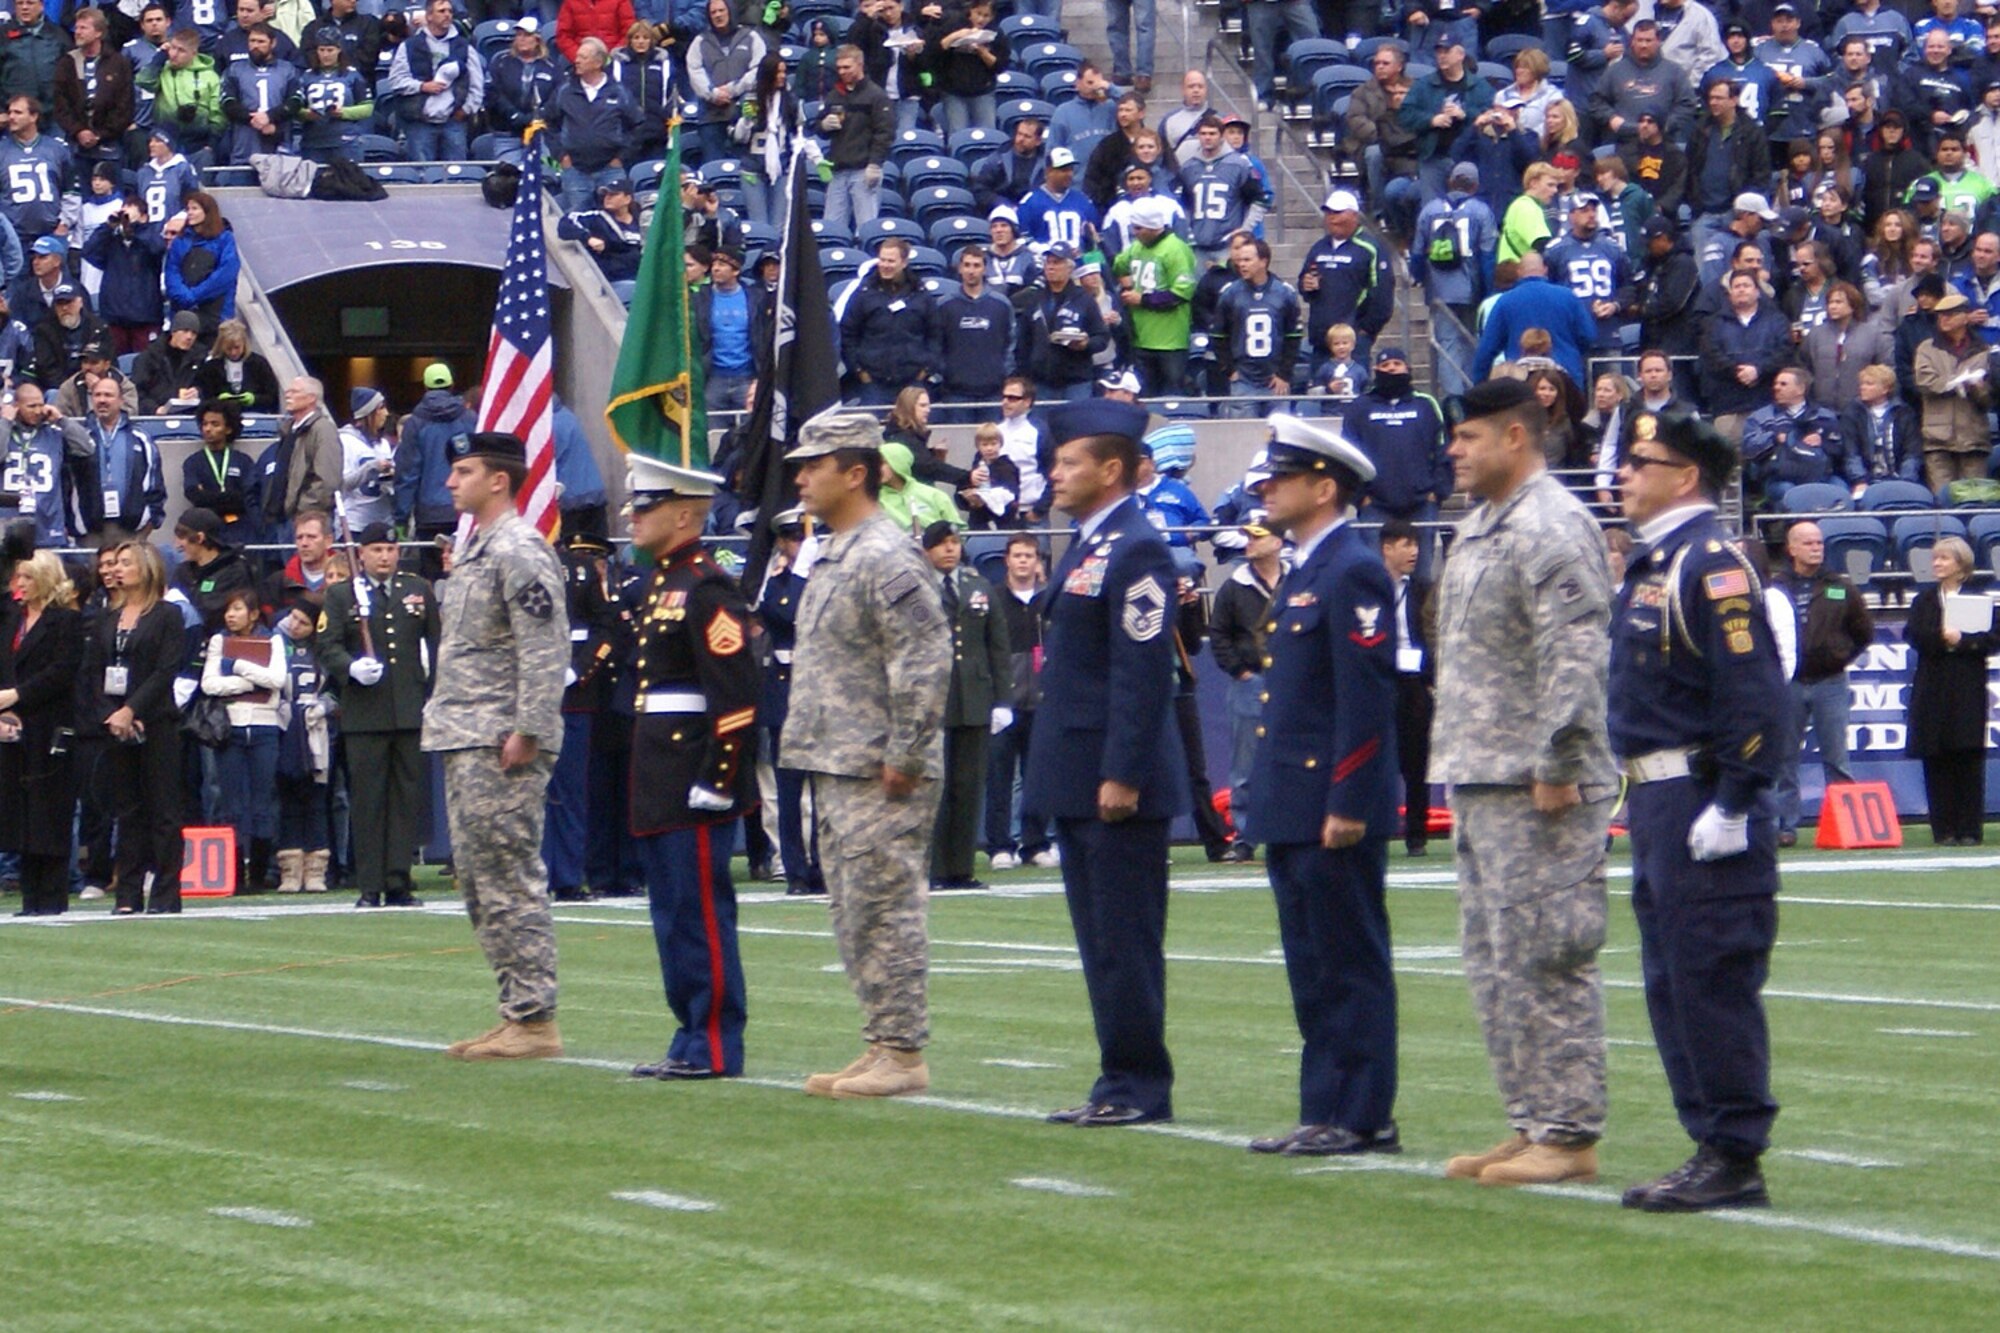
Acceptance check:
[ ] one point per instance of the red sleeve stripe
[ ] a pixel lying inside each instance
(1345, 769)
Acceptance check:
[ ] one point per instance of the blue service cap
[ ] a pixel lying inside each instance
(1096, 416)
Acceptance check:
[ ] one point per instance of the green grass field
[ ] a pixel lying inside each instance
(239, 1119)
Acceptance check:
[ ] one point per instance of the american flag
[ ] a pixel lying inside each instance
(520, 384)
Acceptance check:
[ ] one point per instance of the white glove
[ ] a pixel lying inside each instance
(364, 671)
(1003, 718)
(183, 691)
(1717, 836)
(569, 677)
(701, 798)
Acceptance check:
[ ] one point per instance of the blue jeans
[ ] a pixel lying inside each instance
(713, 136)
(724, 392)
(1118, 18)
(1242, 388)
(1048, 9)
(1161, 372)
(1822, 705)
(763, 201)
(957, 113)
(435, 143)
(1246, 707)
(909, 113)
(247, 769)
(850, 200)
(302, 813)
(1006, 759)
(1396, 198)
(1455, 351)
(1063, 393)
(1266, 19)
(579, 187)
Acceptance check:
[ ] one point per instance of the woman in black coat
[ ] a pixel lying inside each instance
(130, 661)
(1947, 714)
(41, 643)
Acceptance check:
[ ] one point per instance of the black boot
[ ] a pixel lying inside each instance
(262, 877)
(1709, 1180)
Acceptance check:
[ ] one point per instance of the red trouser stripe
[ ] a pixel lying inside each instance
(716, 993)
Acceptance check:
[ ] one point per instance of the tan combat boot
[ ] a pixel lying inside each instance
(315, 871)
(519, 1041)
(892, 1073)
(458, 1049)
(821, 1085)
(1545, 1164)
(1469, 1166)
(291, 870)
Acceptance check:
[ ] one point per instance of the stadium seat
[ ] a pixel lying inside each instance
(1891, 495)
(1559, 73)
(839, 261)
(1028, 29)
(1059, 86)
(1011, 113)
(126, 362)
(829, 233)
(396, 173)
(1815, 498)
(934, 205)
(488, 147)
(791, 53)
(1305, 59)
(953, 234)
(1502, 50)
(492, 37)
(912, 144)
(983, 549)
(1364, 50)
(1175, 410)
(1039, 59)
(969, 146)
(223, 177)
(936, 286)
(889, 202)
(734, 200)
(1332, 83)
(1013, 83)
(170, 428)
(1418, 69)
(803, 11)
(1984, 534)
(262, 425)
(921, 173)
(723, 175)
(870, 235)
(646, 175)
(446, 173)
(758, 236)
(379, 148)
(1496, 74)
(927, 261)
(1915, 534)
(1855, 545)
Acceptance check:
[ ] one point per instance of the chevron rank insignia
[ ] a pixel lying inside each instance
(1145, 610)
(724, 634)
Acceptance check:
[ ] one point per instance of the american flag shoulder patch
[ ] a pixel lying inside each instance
(1726, 583)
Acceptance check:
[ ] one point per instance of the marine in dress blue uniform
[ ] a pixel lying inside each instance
(1697, 707)
(1323, 787)
(1105, 760)
(694, 761)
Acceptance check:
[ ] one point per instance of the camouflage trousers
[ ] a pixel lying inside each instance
(1531, 915)
(496, 847)
(876, 855)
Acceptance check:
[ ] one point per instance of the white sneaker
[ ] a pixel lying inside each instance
(91, 893)
(1048, 858)
(1005, 861)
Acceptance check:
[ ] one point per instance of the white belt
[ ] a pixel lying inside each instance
(1659, 766)
(673, 701)
(782, 656)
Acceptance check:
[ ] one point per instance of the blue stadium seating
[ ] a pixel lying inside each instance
(1011, 113)
(723, 175)
(492, 37)
(1334, 83)
(870, 235)
(953, 234)
(1984, 534)
(1496, 74)
(1028, 29)
(839, 261)
(379, 148)
(1914, 535)
(969, 146)
(1307, 58)
(1013, 83)
(756, 237)
(396, 173)
(927, 261)
(645, 175)
(1502, 50)
(1038, 59)
(827, 233)
(1059, 86)
(1817, 497)
(920, 173)
(934, 205)
(915, 144)
(447, 173)
(1892, 495)
(1855, 545)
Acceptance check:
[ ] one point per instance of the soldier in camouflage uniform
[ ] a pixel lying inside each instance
(1523, 616)
(868, 693)
(495, 714)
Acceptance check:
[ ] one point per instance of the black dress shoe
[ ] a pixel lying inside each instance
(669, 1067)
(957, 885)
(1711, 1180)
(760, 870)
(1279, 1143)
(798, 888)
(1238, 853)
(567, 895)
(1788, 838)
(1106, 1115)
(1335, 1141)
(369, 900)
(403, 899)
(1416, 849)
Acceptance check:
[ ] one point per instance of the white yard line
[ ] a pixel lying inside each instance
(1925, 1032)
(1067, 1188)
(1826, 1158)
(673, 1203)
(1858, 1233)
(262, 1217)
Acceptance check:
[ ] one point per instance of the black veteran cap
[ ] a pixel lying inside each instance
(1096, 416)
(1702, 445)
(491, 445)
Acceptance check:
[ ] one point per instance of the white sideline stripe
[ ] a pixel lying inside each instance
(1020, 1064)
(1825, 1158)
(262, 1217)
(40, 1096)
(370, 1085)
(1838, 1230)
(1925, 1032)
(673, 1203)
(1067, 1188)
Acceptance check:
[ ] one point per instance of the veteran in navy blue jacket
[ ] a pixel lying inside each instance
(1324, 792)
(1105, 760)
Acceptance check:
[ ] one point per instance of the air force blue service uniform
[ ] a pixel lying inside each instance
(1107, 715)
(1697, 702)
(694, 759)
(1327, 746)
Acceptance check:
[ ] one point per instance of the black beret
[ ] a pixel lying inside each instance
(492, 445)
(938, 533)
(1494, 397)
(1701, 444)
(375, 534)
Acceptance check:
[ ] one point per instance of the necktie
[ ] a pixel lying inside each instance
(950, 594)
